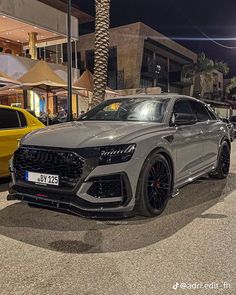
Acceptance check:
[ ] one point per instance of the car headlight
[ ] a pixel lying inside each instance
(116, 154)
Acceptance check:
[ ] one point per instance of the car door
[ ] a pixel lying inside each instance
(211, 128)
(13, 126)
(187, 144)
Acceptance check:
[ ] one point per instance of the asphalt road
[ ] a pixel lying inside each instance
(190, 249)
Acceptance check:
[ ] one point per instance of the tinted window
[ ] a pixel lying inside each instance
(8, 119)
(182, 107)
(22, 119)
(212, 113)
(200, 111)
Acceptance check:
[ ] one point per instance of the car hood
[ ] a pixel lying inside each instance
(89, 134)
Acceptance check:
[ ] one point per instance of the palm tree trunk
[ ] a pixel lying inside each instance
(101, 49)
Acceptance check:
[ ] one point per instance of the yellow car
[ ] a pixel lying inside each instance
(14, 124)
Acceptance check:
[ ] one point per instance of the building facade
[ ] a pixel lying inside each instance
(32, 30)
(38, 29)
(140, 57)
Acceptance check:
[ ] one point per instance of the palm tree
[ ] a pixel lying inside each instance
(102, 24)
(231, 85)
(200, 73)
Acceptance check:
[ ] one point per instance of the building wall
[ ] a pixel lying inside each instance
(130, 41)
(129, 51)
(147, 32)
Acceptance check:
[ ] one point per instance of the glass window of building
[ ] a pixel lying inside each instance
(90, 60)
(162, 74)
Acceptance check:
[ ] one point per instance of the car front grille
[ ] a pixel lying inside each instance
(67, 164)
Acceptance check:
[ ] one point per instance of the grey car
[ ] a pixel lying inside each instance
(230, 128)
(126, 156)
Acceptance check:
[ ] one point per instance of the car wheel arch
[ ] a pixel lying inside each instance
(164, 152)
(226, 140)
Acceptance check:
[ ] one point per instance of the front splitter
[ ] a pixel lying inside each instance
(68, 207)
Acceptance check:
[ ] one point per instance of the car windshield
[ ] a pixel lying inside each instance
(129, 109)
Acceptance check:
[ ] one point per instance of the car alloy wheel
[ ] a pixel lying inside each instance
(156, 185)
(223, 167)
(225, 159)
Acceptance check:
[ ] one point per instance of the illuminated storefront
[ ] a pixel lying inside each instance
(31, 30)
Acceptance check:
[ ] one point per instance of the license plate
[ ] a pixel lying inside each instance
(41, 178)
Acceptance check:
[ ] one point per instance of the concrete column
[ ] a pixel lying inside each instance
(33, 44)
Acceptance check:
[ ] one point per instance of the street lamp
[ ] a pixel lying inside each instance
(69, 62)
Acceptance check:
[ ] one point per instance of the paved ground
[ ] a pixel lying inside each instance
(45, 252)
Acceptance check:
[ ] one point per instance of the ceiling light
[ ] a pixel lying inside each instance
(35, 27)
(3, 16)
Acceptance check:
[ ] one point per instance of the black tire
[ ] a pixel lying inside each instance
(154, 186)
(223, 166)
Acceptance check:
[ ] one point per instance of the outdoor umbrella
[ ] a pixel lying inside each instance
(43, 79)
(5, 79)
(86, 81)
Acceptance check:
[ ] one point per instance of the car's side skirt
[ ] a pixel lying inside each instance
(193, 177)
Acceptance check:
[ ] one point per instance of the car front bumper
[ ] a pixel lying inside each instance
(83, 200)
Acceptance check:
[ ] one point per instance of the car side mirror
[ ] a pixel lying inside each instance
(225, 120)
(179, 119)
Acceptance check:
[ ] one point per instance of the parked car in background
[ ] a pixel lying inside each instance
(230, 128)
(126, 156)
(233, 121)
(14, 124)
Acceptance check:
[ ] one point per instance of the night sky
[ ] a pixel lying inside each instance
(187, 21)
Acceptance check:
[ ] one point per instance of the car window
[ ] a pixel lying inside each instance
(8, 119)
(182, 106)
(200, 111)
(212, 113)
(23, 122)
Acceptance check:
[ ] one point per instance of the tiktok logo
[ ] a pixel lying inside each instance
(176, 285)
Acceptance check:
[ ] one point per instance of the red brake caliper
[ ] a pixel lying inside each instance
(157, 183)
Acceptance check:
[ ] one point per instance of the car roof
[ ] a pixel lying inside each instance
(11, 108)
(153, 96)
